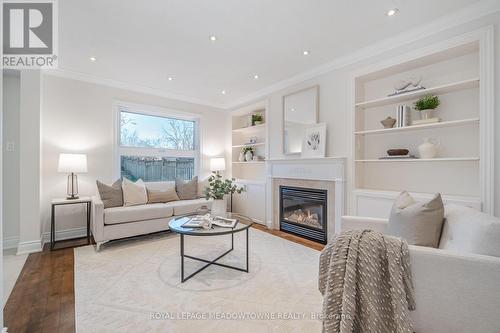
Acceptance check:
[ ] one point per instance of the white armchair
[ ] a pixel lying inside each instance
(455, 292)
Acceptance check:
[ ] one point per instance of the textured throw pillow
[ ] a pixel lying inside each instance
(469, 230)
(161, 196)
(111, 196)
(187, 190)
(134, 193)
(419, 223)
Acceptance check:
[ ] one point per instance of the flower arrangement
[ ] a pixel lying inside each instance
(218, 187)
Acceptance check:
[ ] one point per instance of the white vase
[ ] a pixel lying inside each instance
(248, 156)
(428, 149)
(219, 208)
(426, 114)
(241, 158)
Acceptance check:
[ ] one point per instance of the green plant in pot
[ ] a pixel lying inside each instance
(248, 153)
(217, 189)
(426, 105)
(257, 119)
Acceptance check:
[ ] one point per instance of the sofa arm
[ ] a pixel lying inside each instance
(97, 219)
(356, 223)
(455, 292)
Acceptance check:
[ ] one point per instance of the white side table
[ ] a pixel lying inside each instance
(62, 202)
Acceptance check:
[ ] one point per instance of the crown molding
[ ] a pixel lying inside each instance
(460, 17)
(79, 76)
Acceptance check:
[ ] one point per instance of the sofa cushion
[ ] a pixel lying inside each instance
(183, 207)
(187, 190)
(126, 214)
(157, 196)
(111, 196)
(419, 223)
(469, 230)
(134, 193)
(161, 186)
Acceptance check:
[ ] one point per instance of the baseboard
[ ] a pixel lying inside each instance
(10, 242)
(66, 234)
(29, 247)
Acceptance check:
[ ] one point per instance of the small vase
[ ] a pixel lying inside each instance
(428, 149)
(241, 158)
(426, 114)
(219, 208)
(248, 156)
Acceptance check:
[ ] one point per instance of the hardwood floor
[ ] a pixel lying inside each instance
(43, 299)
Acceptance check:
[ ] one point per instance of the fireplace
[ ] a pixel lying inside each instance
(303, 212)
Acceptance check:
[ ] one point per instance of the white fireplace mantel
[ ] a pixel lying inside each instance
(330, 169)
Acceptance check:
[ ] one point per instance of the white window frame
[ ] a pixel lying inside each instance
(157, 111)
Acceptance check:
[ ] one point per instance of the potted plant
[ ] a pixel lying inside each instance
(257, 119)
(248, 153)
(217, 189)
(426, 105)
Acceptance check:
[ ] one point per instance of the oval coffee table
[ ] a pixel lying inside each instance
(243, 224)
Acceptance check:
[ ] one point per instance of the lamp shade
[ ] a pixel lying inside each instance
(72, 163)
(218, 164)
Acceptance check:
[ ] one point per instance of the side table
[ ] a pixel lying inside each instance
(63, 202)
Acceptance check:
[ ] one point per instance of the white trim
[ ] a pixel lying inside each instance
(29, 247)
(65, 234)
(10, 242)
(84, 77)
(465, 15)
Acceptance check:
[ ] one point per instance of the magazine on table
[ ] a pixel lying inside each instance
(224, 222)
(197, 221)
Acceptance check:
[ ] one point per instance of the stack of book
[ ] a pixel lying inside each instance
(397, 157)
(426, 121)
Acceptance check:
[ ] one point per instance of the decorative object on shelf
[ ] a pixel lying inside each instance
(426, 106)
(217, 189)
(314, 142)
(398, 157)
(388, 122)
(248, 153)
(426, 121)
(241, 158)
(397, 152)
(253, 140)
(217, 164)
(72, 164)
(428, 149)
(257, 119)
(258, 158)
(403, 115)
(408, 85)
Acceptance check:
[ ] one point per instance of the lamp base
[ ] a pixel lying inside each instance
(72, 188)
(72, 197)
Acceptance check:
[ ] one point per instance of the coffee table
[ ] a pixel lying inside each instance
(243, 224)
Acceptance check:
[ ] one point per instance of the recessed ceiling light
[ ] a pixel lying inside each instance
(223, 92)
(213, 38)
(170, 78)
(93, 59)
(306, 52)
(392, 12)
(256, 77)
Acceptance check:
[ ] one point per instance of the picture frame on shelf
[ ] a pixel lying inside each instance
(314, 141)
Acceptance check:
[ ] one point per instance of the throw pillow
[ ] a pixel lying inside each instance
(111, 196)
(161, 196)
(419, 223)
(134, 193)
(187, 190)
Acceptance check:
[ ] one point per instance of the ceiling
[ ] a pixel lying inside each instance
(143, 43)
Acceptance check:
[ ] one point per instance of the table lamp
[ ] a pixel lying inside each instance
(72, 164)
(217, 164)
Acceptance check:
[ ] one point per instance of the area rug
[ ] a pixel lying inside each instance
(134, 286)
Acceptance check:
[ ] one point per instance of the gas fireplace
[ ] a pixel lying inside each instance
(303, 212)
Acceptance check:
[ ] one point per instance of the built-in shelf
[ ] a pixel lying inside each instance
(249, 128)
(250, 145)
(251, 162)
(250, 181)
(421, 127)
(443, 89)
(405, 160)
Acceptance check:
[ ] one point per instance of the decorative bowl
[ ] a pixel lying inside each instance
(397, 152)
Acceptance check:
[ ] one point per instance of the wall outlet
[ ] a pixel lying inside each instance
(11, 146)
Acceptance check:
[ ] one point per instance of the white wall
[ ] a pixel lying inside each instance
(335, 97)
(10, 186)
(78, 117)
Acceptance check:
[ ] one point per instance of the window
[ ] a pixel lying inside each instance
(155, 147)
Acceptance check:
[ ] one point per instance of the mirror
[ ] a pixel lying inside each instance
(300, 110)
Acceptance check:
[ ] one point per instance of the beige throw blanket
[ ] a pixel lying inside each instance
(365, 280)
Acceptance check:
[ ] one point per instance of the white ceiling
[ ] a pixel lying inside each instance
(144, 42)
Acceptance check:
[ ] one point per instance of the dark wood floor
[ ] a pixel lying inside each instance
(43, 298)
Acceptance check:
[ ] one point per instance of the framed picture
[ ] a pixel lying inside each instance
(314, 141)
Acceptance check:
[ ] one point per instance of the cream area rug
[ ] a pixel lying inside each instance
(134, 286)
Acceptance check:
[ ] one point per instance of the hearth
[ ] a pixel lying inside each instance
(303, 212)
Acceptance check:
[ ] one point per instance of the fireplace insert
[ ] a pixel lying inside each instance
(303, 212)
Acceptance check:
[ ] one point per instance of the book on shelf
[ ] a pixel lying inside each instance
(397, 157)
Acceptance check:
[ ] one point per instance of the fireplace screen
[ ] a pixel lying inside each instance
(303, 212)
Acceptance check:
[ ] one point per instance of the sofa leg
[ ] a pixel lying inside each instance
(98, 246)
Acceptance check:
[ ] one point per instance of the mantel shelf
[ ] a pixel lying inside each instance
(420, 127)
(251, 162)
(405, 160)
(446, 88)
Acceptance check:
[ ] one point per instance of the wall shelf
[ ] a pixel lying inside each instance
(414, 160)
(441, 124)
(249, 128)
(443, 89)
(250, 145)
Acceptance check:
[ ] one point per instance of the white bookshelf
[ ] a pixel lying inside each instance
(456, 76)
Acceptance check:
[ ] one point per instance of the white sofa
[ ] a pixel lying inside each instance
(127, 221)
(457, 290)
